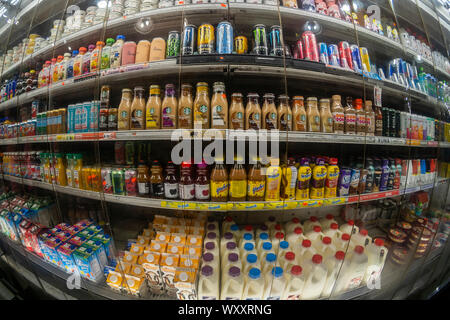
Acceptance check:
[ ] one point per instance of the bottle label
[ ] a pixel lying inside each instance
(256, 188)
(187, 191)
(219, 189)
(171, 190)
(143, 188)
(217, 116)
(202, 191)
(168, 119)
(157, 189)
(238, 188)
(69, 177)
(254, 121)
(271, 121)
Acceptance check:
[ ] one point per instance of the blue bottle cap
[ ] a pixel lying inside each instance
(248, 236)
(234, 227)
(264, 236)
(277, 272)
(120, 37)
(75, 53)
(254, 273)
(284, 244)
(251, 258)
(249, 246)
(267, 246)
(271, 257)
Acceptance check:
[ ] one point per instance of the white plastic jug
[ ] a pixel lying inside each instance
(360, 239)
(349, 227)
(333, 231)
(343, 242)
(296, 237)
(305, 252)
(265, 250)
(229, 260)
(326, 247)
(226, 224)
(333, 264)
(316, 276)
(232, 284)
(213, 237)
(309, 224)
(283, 248)
(253, 286)
(263, 237)
(288, 260)
(210, 246)
(261, 229)
(376, 255)
(276, 228)
(227, 237)
(208, 284)
(249, 248)
(250, 262)
(295, 281)
(276, 239)
(315, 235)
(290, 226)
(275, 284)
(246, 238)
(327, 221)
(268, 263)
(352, 272)
(229, 248)
(209, 258)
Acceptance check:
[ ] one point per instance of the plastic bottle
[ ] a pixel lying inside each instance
(333, 264)
(283, 248)
(208, 284)
(55, 71)
(106, 54)
(86, 63)
(309, 224)
(353, 271)
(261, 229)
(70, 63)
(332, 179)
(277, 239)
(315, 235)
(250, 262)
(305, 252)
(52, 69)
(78, 63)
(273, 180)
(249, 248)
(261, 239)
(254, 285)
(296, 237)
(327, 221)
(265, 250)
(268, 262)
(333, 231)
(326, 247)
(77, 167)
(360, 239)
(295, 282)
(376, 254)
(316, 276)
(290, 226)
(116, 52)
(232, 284)
(275, 284)
(319, 174)
(343, 242)
(303, 180)
(247, 237)
(349, 227)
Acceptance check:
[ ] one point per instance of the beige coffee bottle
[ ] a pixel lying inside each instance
(370, 118)
(143, 51)
(284, 113)
(157, 49)
(360, 117)
(237, 111)
(350, 117)
(253, 112)
(312, 115)
(185, 105)
(338, 114)
(269, 112)
(298, 114)
(138, 110)
(153, 108)
(219, 107)
(326, 118)
(202, 106)
(123, 122)
(169, 108)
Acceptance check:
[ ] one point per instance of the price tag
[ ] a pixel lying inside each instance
(310, 203)
(212, 207)
(334, 201)
(377, 95)
(276, 205)
(246, 206)
(108, 136)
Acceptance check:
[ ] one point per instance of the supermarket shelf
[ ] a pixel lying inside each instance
(246, 206)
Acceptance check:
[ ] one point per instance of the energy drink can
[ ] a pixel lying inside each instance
(241, 45)
(118, 181)
(129, 153)
(224, 38)
(205, 42)
(188, 45)
(365, 61)
(392, 123)
(276, 45)
(106, 180)
(386, 120)
(310, 46)
(345, 55)
(298, 50)
(131, 182)
(119, 152)
(344, 182)
(173, 44)
(323, 52)
(260, 40)
(333, 55)
(356, 57)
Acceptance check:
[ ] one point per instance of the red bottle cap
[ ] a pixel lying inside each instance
(350, 222)
(298, 230)
(313, 218)
(306, 243)
(363, 232)
(248, 228)
(289, 256)
(278, 226)
(359, 249)
(317, 259)
(295, 220)
(329, 217)
(279, 235)
(334, 226)
(345, 237)
(326, 240)
(379, 242)
(340, 255)
(296, 270)
(317, 229)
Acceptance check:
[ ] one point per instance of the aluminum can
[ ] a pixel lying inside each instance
(310, 46)
(260, 40)
(129, 153)
(365, 60)
(356, 57)
(323, 52)
(107, 180)
(188, 46)
(333, 55)
(298, 50)
(118, 181)
(131, 182)
(173, 44)
(276, 45)
(119, 152)
(241, 45)
(205, 42)
(345, 55)
(224, 38)
(308, 5)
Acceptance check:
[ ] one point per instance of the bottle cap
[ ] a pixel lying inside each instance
(208, 257)
(271, 257)
(317, 229)
(231, 245)
(249, 246)
(210, 245)
(313, 219)
(277, 272)
(340, 255)
(306, 243)
(263, 236)
(267, 246)
(234, 227)
(234, 272)
(207, 271)
(248, 236)
(296, 270)
(289, 256)
(298, 230)
(363, 232)
(279, 235)
(211, 235)
(326, 240)
(329, 217)
(254, 273)
(379, 242)
(345, 237)
(233, 257)
(359, 249)
(278, 227)
(295, 220)
(334, 226)
(228, 235)
(350, 222)
(317, 259)
(284, 244)
(251, 258)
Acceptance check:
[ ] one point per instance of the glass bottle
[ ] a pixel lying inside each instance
(238, 182)
(370, 118)
(138, 110)
(156, 180)
(378, 121)
(169, 108)
(202, 185)
(185, 105)
(338, 114)
(284, 114)
(219, 182)
(269, 112)
(171, 182)
(124, 110)
(153, 109)
(256, 185)
(253, 112)
(298, 114)
(219, 107)
(186, 186)
(326, 118)
(312, 115)
(237, 112)
(202, 107)
(350, 117)
(360, 117)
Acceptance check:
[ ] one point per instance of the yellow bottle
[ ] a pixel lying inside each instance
(60, 170)
(319, 175)
(95, 179)
(289, 180)
(52, 163)
(86, 178)
(303, 179)
(273, 180)
(77, 167)
(46, 158)
(332, 178)
(69, 170)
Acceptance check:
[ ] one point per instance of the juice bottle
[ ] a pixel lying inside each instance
(77, 167)
(86, 64)
(338, 114)
(312, 115)
(326, 118)
(284, 114)
(128, 53)
(298, 114)
(158, 49)
(116, 52)
(185, 105)
(269, 112)
(78, 63)
(60, 170)
(124, 110)
(46, 159)
(62, 72)
(56, 69)
(52, 68)
(219, 107)
(304, 177)
(350, 117)
(238, 181)
(253, 112)
(256, 185)
(138, 110)
(143, 180)
(273, 180)
(187, 188)
(202, 185)
(96, 56)
(171, 182)
(85, 183)
(153, 108)
(70, 64)
(202, 107)
(156, 180)
(106, 54)
(332, 179)
(237, 112)
(219, 182)
(360, 117)
(379, 121)
(169, 108)
(52, 168)
(69, 169)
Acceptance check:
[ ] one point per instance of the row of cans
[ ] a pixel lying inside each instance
(120, 181)
(345, 56)
(22, 129)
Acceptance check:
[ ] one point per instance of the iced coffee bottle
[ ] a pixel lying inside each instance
(350, 117)
(338, 114)
(253, 112)
(360, 117)
(284, 113)
(219, 107)
(269, 112)
(298, 114)
(202, 107)
(326, 118)
(370, 118)
(237, 112)
(169, 108)
(124, 110)
(312, 115)
(185, 105)
(138, 110)
(153, 109)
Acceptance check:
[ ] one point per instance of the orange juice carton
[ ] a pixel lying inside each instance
(143, 241)
(174, 248)
(114, 280)
(186, 283)
(150, 262)
(194, 240)
(130, 257)
(158, 246)
(193, 251)
(187, 261)
(148, 233)
(162, 236)
(179, 238)
(123, 267)
(169, 262)
(134, 285)
(137, 249)
(137, 271)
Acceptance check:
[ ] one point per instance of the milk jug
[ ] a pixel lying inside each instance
(269, 262)
(211, 247)
(332, 232)
(296, 237)
(229, 260)
(305, 252)
(309, 224)
(210, 259)
(226, 224)
(349, 227)
(326, 247)
(376, 254)
(274, 229)
(229, 248)
(327, 221)
(265, 250)
(232, 284)
(333, 264)
(254, 285)
(360, 239)
(262, 229)
(263, 237)
(316, 276)
(291, 225)
(287, 260)
(276, 239)
(227, 237)
(343, 243)
(249, 248)
(275, 284)
(283, 248)
(246, 238)
(315, 235)
(208, 284)
(212, 237)
(251, 262)
(295, 281)
(352, 272)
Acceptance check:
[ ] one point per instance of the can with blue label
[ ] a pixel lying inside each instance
(276, 45)
(224, 38)
(356, 57)
(188, 45)
(323, 53)
(333, 55)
